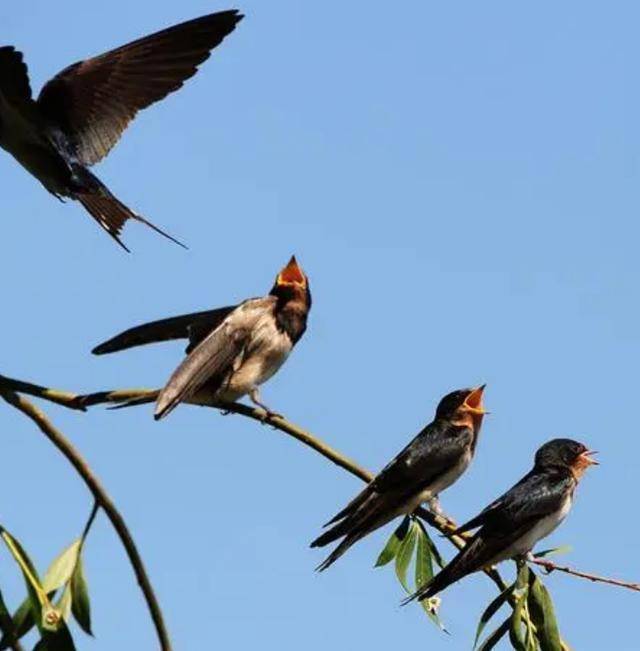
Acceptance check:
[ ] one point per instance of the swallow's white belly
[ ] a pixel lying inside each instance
(264, 355)
(539, 531)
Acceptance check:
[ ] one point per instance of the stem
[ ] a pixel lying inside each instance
(102, 499)
(550, 566)
(8, 628)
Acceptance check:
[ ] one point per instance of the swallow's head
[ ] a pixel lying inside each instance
(566, 453)
(292, 283)
(463, 407)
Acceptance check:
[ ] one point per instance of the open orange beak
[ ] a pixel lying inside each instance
(474, 401)
(292, 274)
(585, 459)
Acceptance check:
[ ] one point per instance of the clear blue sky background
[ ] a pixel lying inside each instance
(460, 181)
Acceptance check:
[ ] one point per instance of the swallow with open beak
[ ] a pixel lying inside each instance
(232, 350)
(433, 461)
(81, 113)
(512, 525)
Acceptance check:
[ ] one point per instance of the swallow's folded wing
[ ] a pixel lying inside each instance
(533, 497)
(195, 326)
(213, 357)
(94, 100)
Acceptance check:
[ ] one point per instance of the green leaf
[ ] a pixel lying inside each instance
(564, 549)
(543, 615)
(393, 544)
(515, 630)
(64, 603)
(424, 563)
(437, 557)
(492, 609)
(403, 557)
(80, 606)
(495, 637)
(62, 567)
(44, 613)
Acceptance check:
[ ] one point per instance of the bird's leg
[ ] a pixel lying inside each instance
(254, 394)
(434, 506)
(436, 509)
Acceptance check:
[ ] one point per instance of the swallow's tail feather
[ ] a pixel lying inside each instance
(353, 506)
(340, 550)
(465, 562)
(107, 209)
(341, 529)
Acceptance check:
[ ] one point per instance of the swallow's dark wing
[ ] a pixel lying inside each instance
(213, 357)
(195, 326)
(503, 522)
(431, 453)
(14, 77)
(536, 495)
(94, 100)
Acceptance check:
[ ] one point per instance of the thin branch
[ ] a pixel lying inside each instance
(442, 523)
(102, 498)
(550, 566)
(63, 398)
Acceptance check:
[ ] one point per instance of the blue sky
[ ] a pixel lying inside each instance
(460, 182)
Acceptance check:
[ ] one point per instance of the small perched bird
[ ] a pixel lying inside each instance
(232, 350)
(433, 461)
(512, 525)
(81, 113)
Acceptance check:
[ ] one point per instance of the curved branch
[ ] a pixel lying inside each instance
(102, 498)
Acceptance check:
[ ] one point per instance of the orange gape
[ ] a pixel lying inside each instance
(582, 462)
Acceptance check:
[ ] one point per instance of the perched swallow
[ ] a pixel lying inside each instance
(232, 350)
(512, 525)
(433, 461)
(81, 113)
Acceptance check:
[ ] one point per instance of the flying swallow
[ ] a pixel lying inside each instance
(81, 113)
(512, 525)
(232, 350)
(433, 461)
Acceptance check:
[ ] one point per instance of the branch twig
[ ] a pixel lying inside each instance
(102, 498)
(550, 566)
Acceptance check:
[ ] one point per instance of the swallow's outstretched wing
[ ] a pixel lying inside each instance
(94, 100)
(510, 518)
(210, 361)
(195, 327)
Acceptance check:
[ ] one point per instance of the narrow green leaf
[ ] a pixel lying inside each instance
(23, 622)
(435, 553)
(80, 606)
(403, 557)
(43, 611)
(7, 624)
(62, 567)
(63, 604)
(492, 609)
(543, 615)
(424, 562)
(515, 630)
(554, 551)
(393, 544)
(495, 637)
